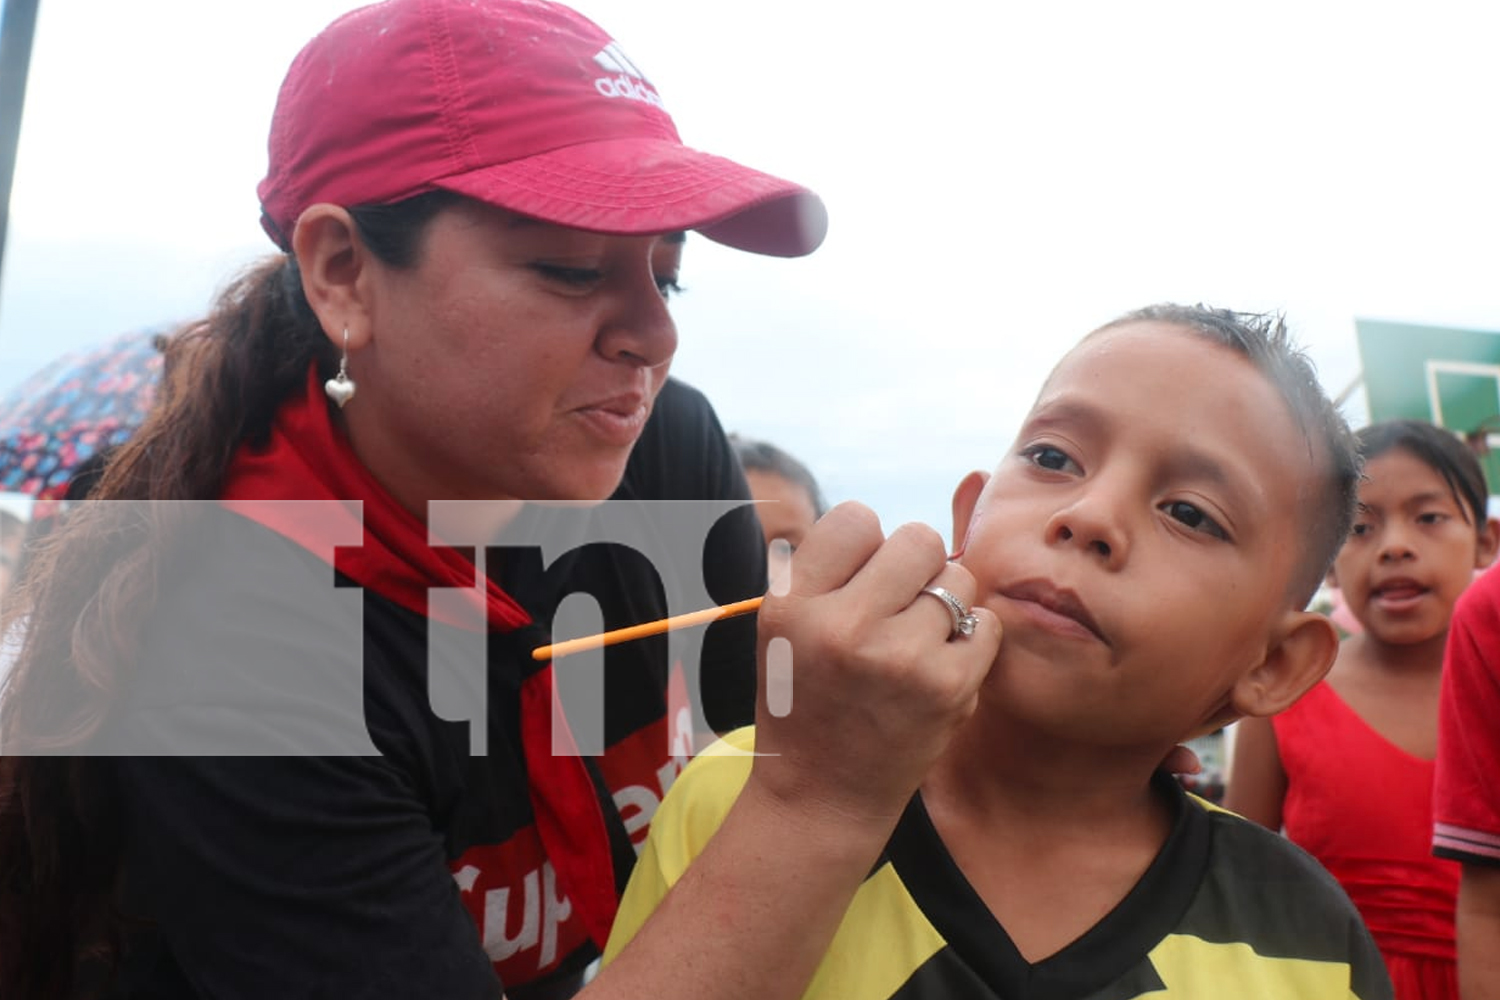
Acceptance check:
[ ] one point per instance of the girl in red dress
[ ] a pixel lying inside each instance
(1347, 771)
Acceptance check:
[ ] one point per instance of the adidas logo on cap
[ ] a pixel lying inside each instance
(629, 82)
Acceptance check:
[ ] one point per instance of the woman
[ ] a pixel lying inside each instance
(247, 751)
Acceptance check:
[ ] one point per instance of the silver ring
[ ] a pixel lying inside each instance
(964, 622)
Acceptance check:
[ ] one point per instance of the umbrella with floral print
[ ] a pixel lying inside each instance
(74, 407)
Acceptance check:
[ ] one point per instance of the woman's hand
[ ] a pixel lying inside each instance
(877, 688)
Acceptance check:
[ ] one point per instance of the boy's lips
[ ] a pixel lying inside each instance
(1050, 603)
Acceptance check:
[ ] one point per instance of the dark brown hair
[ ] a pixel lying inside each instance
(91, 584)
(1442, 451)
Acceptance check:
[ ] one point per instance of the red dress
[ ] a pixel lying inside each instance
(1363, 807)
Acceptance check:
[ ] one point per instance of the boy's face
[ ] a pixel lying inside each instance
(1138, 541)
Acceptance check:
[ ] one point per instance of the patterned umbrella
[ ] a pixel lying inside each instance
(72, 408)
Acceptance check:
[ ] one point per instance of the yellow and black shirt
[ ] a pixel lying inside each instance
(1227, 910)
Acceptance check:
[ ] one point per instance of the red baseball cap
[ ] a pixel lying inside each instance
(521, 104)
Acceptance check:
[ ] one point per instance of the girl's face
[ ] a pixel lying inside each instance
(1413, 550)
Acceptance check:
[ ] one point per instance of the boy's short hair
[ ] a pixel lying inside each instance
(1264, 340)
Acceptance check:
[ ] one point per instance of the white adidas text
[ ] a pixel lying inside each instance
(624, 86)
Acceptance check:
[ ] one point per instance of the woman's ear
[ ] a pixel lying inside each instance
(965, 499)
(1307, 645)
(335, 268)
(1489, 541)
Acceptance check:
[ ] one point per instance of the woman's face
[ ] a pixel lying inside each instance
(515, 360)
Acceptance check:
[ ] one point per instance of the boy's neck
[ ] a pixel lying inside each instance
(1007, 761)
(1006, 776)
(1051, 838)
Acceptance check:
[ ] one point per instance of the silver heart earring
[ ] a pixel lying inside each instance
(341, 387)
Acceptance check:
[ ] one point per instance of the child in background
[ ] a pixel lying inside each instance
(1348, 770)
(787, 498)
(1149, 546)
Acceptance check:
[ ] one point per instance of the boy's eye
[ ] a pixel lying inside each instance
(1047, 457)
(1181, 510)
(1358, 530)
(1432, 517)
(668, 286)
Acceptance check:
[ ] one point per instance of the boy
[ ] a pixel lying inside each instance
(1149, 546)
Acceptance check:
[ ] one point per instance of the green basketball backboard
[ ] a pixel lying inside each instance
(1442, 374)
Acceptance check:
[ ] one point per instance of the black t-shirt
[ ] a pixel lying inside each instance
(409, 865)
(683, 455)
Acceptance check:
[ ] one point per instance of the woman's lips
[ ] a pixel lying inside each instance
(618, 421)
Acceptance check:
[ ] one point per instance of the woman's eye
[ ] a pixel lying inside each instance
(1358, 530)
(573, 277)
(1432, 517)
(668, 286)
(1045, 456)
(1181, 510)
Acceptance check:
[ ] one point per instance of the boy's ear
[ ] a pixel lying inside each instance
(335, 266)
(1296, 661)
(1489, 542)
(965, 498)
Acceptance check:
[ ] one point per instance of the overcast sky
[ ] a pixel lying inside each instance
(1001, 178)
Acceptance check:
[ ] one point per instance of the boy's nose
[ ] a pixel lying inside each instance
(1090, 525)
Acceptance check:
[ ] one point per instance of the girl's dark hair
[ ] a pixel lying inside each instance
(762, 456)
(1442, 451)
(90, 586)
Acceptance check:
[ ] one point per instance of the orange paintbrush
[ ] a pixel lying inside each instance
(649, 628)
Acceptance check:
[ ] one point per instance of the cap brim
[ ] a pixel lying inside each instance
(635, 187)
